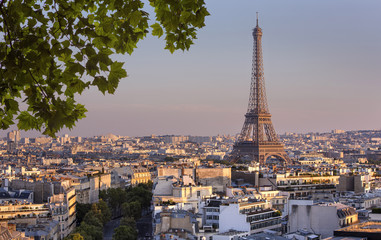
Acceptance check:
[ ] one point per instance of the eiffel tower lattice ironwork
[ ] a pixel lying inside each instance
(258, 139)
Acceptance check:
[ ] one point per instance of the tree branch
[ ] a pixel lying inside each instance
(38, 85)
(6, 24)
(2, 3)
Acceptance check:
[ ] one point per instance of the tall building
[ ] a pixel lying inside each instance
(13, 137)
(258, 139)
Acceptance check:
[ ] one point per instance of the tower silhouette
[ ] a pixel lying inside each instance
(258, 139)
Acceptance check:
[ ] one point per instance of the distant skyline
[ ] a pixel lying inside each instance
(322, 70)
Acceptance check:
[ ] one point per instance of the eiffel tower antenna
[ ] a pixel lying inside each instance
(258, 139)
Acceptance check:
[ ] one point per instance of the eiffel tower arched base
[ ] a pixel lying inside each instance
(259, 152)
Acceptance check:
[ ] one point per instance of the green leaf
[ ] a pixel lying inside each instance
(116, 73)
(11, 105)
(135, 18)
(79, 56)
(101, 83)
(27, 121)
(157, 30)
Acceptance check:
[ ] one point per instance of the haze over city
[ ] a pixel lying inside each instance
(321, 64)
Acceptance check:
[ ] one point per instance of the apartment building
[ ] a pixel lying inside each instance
(320, 218)
(252, 217)
(304, 185)
(87, 188)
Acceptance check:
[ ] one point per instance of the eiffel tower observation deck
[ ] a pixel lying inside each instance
(258, 140)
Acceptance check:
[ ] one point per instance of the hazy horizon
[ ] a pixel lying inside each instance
(34, 134)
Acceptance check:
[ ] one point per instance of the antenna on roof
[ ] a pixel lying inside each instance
(257, 19)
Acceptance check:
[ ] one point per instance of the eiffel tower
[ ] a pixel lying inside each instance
(258, 139)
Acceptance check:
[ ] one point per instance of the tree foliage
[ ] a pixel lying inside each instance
(124, 233)
(141, 193)
(53, 50)
(75, 236)
(105, 210)
(90, 232)
(115, 197)
(128, 221)
(132, 209)
(82, 209)
(376, 210)
(94, 217)
(126, 229)
(128, 202)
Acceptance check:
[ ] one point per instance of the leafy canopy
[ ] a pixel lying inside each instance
(53, 50)
(124, 232)
(74, 236)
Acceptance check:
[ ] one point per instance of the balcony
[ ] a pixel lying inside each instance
(306, 187)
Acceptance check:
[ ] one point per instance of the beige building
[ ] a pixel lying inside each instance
(166, 171)
(355, 183)
(23, 212)
(320, 218)
(130, 175)
(8, 232)
(54, 202)
(87, 188)
(218, 177)
(62, 208)
(180, 224)
(303, 186)
(166, 191)
(140, 175)
(278, 201)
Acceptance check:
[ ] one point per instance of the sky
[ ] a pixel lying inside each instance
(322, 63)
